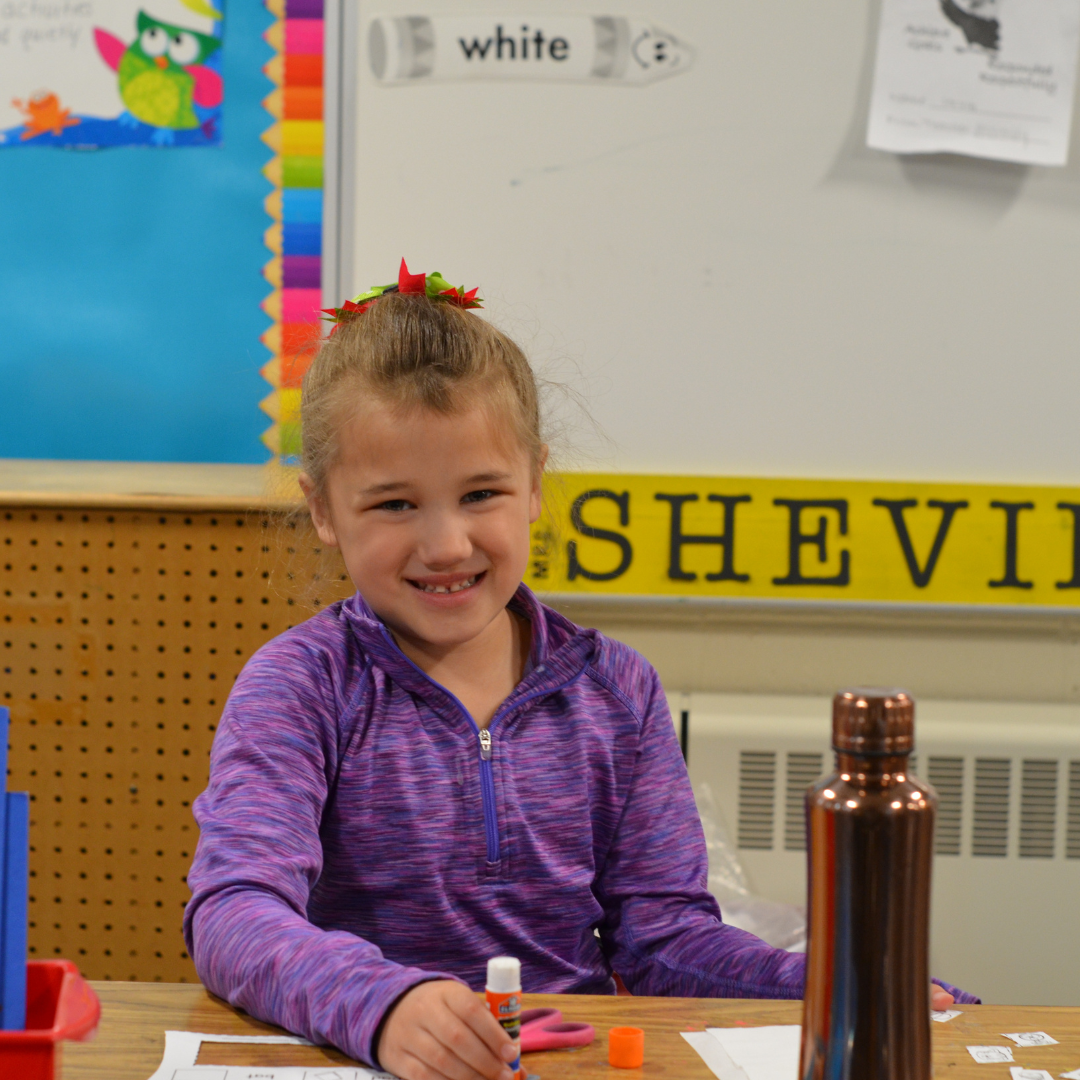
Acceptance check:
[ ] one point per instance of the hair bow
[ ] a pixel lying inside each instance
(433, 286)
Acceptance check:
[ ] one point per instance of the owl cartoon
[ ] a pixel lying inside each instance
(162, 74)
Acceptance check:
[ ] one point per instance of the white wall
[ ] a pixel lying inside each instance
(749, 290)
(746, 287)
(969, 656)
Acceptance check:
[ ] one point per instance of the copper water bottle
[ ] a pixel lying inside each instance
(870, 833)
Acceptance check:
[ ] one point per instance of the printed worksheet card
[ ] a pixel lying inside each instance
(182, 1050)
(96, 73)
(987, 78)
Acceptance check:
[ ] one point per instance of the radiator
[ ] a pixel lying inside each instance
(1006, 893)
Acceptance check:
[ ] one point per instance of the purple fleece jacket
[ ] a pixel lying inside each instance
(358, 838)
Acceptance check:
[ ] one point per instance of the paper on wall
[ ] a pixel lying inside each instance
(1074, 1075)
(1018, 1073)
(987, 78)
(182, 1052)
(943, 1016)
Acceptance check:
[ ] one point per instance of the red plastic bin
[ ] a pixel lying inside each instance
(59, 1005)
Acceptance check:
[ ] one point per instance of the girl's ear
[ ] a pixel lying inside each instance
(319, 510)
(536, 499)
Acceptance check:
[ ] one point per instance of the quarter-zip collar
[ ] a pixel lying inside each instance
(559, 652)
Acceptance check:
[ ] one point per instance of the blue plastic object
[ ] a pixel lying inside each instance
(5, 717)
(14, 889)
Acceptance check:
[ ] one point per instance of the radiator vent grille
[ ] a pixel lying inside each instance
(990, 832)
(1048, 817)
(1072, 836)
(757, 797)
(1038, 808)
(802, 771)
(946, 776)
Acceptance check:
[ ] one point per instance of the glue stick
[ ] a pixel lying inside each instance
(503, 994)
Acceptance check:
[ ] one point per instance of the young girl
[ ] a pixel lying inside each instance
(441, 769)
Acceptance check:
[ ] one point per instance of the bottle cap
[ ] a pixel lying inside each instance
(504, 975)
(872, 720)
(626, 1048)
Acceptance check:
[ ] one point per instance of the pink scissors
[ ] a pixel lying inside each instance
(544, 1029)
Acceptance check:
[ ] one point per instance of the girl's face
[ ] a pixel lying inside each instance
(431, 513)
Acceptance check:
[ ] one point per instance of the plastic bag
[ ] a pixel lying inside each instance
(781, 925)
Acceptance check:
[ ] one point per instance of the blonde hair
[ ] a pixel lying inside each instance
(413, 352)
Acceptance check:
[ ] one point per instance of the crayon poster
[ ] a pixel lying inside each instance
(614, 50)
(97, 73)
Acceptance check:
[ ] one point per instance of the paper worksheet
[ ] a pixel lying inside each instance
(750, 1053)
(943, 1016)
(182, 1052)
(986, 78)
(1032, 1038)
(714, 1055)
(990, 1055)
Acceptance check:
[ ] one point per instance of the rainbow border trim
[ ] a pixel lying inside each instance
(296, 206)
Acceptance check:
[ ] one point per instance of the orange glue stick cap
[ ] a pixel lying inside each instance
(626, 1048)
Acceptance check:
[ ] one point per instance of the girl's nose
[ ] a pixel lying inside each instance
(444, 542)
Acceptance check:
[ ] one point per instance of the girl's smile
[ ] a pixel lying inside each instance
(447, 584)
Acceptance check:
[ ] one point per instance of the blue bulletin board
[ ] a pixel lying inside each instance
(130, 284)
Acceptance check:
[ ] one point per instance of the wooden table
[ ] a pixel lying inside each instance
(130, 1041)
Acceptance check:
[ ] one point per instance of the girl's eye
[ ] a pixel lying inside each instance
(479, 496)
(394, 505)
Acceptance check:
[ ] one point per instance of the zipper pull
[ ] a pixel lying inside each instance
(485, 744)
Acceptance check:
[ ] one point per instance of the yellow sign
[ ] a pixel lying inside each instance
(808, 539)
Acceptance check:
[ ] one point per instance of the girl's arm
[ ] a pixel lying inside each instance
(260, 854)
(662, 931)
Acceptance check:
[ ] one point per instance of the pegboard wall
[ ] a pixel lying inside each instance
(122, 631)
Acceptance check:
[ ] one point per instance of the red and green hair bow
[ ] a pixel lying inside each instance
(433, 286)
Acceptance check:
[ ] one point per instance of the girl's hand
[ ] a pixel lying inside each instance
(940, 999)
(440, 1031)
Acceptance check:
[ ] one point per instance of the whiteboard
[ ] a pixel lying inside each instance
(742, 285)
